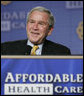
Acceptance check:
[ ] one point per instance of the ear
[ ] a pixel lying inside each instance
(50, 31)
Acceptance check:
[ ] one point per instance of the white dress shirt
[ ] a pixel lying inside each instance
(39, 50)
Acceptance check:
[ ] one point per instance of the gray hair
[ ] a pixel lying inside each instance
(42, 9)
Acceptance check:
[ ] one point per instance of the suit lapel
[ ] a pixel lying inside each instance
(26, 48)
(23, 48)
(45, 49)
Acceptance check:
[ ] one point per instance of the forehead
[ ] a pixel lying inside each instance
(38, 14)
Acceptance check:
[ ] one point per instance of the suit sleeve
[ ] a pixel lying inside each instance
(68, 52)
(3, 49)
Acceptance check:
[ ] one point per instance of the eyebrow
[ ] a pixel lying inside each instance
(38, 21)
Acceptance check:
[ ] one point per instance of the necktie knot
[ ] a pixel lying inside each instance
(35, 47)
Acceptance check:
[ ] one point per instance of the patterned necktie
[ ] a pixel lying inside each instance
(35, 47)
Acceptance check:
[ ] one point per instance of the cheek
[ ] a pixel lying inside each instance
(28, 27)
(45, 32)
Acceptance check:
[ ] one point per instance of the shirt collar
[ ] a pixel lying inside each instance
(31, 44)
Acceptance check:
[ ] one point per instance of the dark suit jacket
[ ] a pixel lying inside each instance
(21, 48)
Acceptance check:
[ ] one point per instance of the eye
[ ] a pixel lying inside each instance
(42, 23)
(31, 21)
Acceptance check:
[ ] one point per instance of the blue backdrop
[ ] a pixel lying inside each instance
(68, 29)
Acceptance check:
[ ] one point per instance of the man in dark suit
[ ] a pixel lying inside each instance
(40, 24)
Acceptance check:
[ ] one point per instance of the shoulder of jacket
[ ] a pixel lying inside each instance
(14, 42)
(57, 45)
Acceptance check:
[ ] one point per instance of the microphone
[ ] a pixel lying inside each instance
(28, 50)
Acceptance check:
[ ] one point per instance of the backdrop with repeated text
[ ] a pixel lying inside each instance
(68, 29)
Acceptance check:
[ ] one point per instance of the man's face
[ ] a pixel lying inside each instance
(38, 27)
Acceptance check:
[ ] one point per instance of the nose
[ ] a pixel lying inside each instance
(35, 26)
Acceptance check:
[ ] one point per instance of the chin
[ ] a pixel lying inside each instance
(34, 42)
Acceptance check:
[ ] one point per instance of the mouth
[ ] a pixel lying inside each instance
(35, 33)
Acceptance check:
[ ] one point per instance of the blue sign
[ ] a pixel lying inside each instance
(55, 76)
